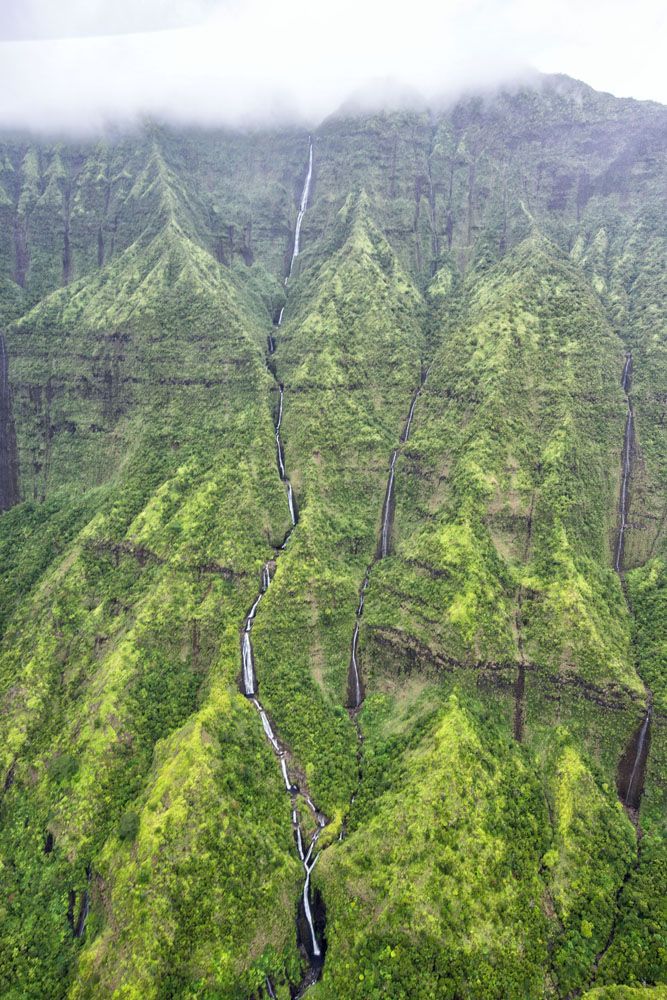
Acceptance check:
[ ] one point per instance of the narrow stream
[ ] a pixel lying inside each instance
(312, 945)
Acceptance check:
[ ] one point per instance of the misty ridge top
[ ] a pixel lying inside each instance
(562, 97)
(71, 206)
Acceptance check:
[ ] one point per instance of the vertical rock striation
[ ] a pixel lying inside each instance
(9, 489)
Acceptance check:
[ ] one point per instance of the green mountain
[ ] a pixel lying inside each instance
(333, 591)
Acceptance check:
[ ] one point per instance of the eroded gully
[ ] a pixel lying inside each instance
(355, 686)
(632, 766)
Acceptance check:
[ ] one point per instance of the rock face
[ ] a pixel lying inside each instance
(333, 617)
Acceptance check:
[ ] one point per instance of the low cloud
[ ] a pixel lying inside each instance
(82, 64)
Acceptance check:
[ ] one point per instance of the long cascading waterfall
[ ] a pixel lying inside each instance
(308, 857)
(249, 683)
(305, 195)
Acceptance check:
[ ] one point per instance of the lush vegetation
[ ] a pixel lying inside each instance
(508, 251)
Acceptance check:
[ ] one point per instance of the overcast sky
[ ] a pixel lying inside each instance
(83, 63)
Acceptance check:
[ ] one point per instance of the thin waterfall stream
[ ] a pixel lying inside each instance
(312, 945)
(355, 685)
(355, 688)
(388, 508)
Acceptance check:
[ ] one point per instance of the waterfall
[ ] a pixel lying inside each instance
(406, 432)
(279, 446)
(354, 687)
(83, 915)
(249, 679)
(306, 906)
(354, 674)
(302, 210)
(290, 501)
(283, 768)
(389, 496)
(248, 669)
(638, 756)
(266, 726)
(386, 515)
(266, 578)
(355, 693)
(247, 658)
(85, 907)
(355, 667)
(281, 464)
(252, 612)
(299, 842)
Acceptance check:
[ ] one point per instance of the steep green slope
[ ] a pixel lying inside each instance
(501, 539)
(136, 629)
(67, 210)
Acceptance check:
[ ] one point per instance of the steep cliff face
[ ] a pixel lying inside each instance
(444, 360)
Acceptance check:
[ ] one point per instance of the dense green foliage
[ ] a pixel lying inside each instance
(500, 257)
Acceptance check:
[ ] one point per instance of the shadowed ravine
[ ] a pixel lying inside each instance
(632, 766)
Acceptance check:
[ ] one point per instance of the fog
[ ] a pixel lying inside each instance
(83, 64)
